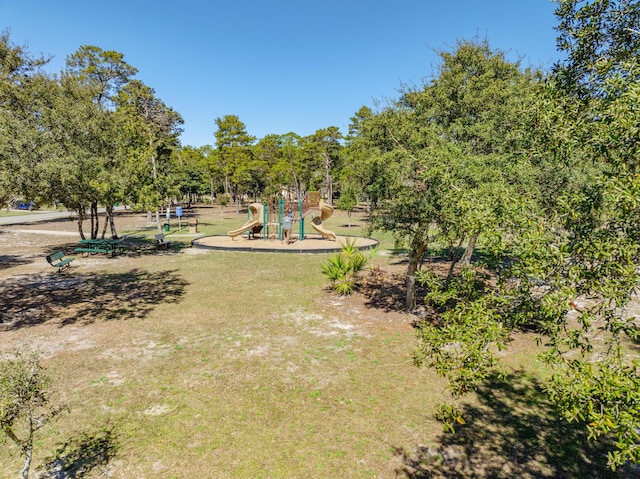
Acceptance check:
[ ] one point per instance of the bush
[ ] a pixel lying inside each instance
(343, 268)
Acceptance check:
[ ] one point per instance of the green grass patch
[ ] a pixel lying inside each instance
(6, 213)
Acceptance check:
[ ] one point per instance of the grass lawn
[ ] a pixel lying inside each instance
(211, 364)
(4, 213)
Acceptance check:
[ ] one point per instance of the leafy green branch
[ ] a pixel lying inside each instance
(24, 403)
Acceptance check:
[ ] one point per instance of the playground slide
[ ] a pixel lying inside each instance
(244, 228)
(256, 211)
(317, 222)
(330, 235)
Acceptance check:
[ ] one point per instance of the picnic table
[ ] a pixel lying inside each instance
(109, 247)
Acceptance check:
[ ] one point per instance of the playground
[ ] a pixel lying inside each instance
(263, 230)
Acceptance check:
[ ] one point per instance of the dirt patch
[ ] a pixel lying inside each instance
(378, 302)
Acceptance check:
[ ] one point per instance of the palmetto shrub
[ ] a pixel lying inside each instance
(343, 268)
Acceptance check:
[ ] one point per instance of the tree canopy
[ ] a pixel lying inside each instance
(563, 254)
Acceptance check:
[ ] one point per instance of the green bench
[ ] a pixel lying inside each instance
(95, 250)
(57, 260)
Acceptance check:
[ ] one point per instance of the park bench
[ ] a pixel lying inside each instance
(161, 242)
(99, 246)
(57, 260)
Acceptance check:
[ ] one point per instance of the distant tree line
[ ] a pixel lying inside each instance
(93, 136)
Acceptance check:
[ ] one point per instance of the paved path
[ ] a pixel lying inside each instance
(36, 217)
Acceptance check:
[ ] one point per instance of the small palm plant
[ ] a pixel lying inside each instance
(342, 268)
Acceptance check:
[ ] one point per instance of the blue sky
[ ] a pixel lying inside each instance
(280, 65)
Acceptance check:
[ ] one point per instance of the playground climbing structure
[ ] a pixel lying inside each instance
(265, 220)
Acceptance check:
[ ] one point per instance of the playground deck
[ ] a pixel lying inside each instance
(311, 244)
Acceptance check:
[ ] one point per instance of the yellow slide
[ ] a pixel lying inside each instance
(256, 212)
(317, 222)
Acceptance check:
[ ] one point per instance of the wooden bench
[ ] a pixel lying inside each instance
(57, 260)
(161, 242)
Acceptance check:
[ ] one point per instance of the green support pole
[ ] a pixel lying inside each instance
(301, 228)
(280, 216)
(265, 220)
(248, 216)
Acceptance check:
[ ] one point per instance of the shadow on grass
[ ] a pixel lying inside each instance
(86, 454)
(136, 245)
(86, 298)
(10, 260)
(513, 431)
(444, 253)
(383, 290)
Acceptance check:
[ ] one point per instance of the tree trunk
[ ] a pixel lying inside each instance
(106, 224)
(454, 258)
(92, 223)
(80, 211)
(328, 179)
(296, 181)
(24, 474)
(468, 252)
(227, 184)
(25, 446)
(112, 225)
(414, 260)
(155, 178)
(95, 221)
(110, 222)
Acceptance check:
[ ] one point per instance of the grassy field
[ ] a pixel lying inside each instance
(199, 364)
(4, 213)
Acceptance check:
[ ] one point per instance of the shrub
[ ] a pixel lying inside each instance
(343, 268)
(24, 403)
